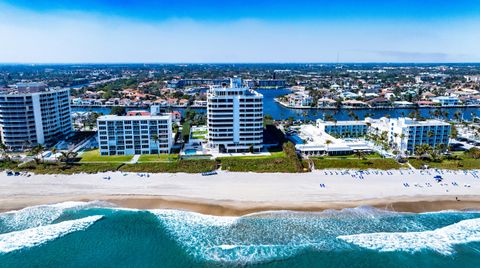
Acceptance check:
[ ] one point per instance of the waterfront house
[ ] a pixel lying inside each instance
(403, 104)
(446, 101)
(299, 99)
(428, 95)
(379, 102)
(425, 103)
(354, 104)
(326, 103)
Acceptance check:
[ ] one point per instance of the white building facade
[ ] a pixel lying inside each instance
(38, 116)
(406, 133)
(344, 129)
(446, 101)
(234, 118)
(127, 135)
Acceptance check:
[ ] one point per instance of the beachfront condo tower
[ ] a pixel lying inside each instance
(34, 115)
(405, 134)
(235, 118)
(135, 134)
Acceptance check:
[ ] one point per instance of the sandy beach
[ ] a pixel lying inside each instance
(230, 193)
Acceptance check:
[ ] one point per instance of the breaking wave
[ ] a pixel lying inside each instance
(35, 216)
(441, 240)
(264, 236)
(35, 236)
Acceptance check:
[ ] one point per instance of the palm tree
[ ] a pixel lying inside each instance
(423, 149)
(360, 154)
(155, 139)
(327, 143)
(445, 114)
(67, 156)
(54, 152)
(38, 151)
(457, 116)
(3, 151)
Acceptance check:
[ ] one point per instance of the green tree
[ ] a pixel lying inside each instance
(4, 151)
(38, 151)
(118, 110)
(155, 139)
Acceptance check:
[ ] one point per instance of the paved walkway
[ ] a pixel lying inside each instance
(410, 165)
(134, 159)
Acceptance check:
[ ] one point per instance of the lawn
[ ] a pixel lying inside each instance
(272, 155)
(61, 168)
(157, 158)
(355, 163)
(352, 156)
(187, 166)
(93, 156)
(200, 132)
(462, 163)
(260, 164)
(281, 161)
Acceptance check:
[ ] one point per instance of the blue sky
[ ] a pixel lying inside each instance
(239, 31)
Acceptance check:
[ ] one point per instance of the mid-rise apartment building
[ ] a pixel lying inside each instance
(34, 116)
(406, 133)
(235, 118)
(136, 134)
(343, 129)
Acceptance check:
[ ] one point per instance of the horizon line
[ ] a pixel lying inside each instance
(266, 62)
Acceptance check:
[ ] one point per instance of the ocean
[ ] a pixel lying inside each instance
(96, 234)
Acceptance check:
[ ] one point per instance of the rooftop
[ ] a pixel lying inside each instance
(134, 117)
(341, 123)
(27, 91)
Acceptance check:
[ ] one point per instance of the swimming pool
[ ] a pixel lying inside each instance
(190, 151)
(296, 139)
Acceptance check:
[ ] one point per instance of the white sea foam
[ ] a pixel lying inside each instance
(35, 236)
(195, 218)
(254, 253)
(268, 236)
(441, 240)
(34, 216)
(252, 238)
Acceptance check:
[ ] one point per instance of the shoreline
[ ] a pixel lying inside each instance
(236, 193)
(419, 204)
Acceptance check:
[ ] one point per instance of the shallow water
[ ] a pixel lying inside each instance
(77, 234)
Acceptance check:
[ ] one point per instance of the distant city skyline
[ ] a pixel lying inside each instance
(238, 31)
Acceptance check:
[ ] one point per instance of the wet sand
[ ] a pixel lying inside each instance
(243, 193)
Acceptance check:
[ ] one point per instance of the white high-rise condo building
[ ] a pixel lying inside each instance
(34, 116)
(235, 118)
(138, 134)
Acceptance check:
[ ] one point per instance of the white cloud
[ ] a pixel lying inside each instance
(88, 37)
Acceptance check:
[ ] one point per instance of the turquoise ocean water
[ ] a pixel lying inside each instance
(94, 234)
